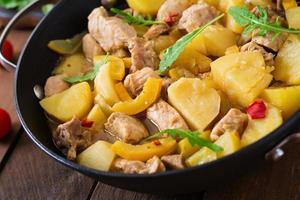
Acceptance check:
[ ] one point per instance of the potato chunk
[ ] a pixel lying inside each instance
(75, 101)
(208, 42)
(198, 103)
(97, 116)
(293, 17)
(259, 128)
(287, 62)
(242, 76)
(145, 6)
(284, 98)
(98, 156)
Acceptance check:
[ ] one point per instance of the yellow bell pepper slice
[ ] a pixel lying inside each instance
(145, 151)
(97, 116)
(117, 67)
(122, 92)
(149, 95)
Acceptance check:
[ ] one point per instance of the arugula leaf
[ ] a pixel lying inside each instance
(173, 52)
(47, 8)
(192, 136)
(91, 75)
(11, 4)
(139, 20)
(247, 19)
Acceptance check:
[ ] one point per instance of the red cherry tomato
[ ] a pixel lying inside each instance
(7, 50)
(5, 123)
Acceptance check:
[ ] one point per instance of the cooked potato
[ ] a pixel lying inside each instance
(103, 105)
(75, 101)
(145, 151)
(198, 103)
(287, 62)
(224, 5)
(98, 156)
(258, 128)
(96, 116)
(208, 42)
(179, 72)
(73, 65)
(242, 76)
(194, 61)
(105, 85)
(145, 6)
(289, 5)
(204, 155)
(284, 98)
(230, 141)
(163, 42)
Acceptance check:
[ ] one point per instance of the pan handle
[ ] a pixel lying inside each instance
(277, 152)
(6, 63)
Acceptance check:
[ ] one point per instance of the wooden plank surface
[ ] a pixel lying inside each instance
(31, 174)
(272, 181)
(17, 38)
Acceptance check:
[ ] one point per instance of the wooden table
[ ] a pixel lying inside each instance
(27, 173)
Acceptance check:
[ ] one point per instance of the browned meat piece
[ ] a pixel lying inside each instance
(273, 14)
(121, 53)
(268, 41)
(171, 10)
(134, 82)
(111, 33)
(233, 121)
(71, 137)
(55, 85)
(156, 30)
(143, 54)
(252, 46)
(173, 161)
(91, 48)
(164, 90)
(153, 165)
(196, 16)
(165, 116)
(126, 128)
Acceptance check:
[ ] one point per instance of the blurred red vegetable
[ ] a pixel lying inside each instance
(5, 123)
(7, 50)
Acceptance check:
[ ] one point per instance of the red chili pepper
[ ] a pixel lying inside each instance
(171, 18)
(257, 110)
(157, 142)
(86, 123)
(7, 50)
(5, 123)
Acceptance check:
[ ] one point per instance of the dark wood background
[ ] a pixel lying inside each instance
(27, 173)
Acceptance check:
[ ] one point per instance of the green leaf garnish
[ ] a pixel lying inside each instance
(192, 136)
(91, 75)
(247, 19)
(139, 20)
(173, 52)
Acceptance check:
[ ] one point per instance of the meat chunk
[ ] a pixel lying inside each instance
(173, 161)
(91, 48)
(153, 165)
(165, 116)
(171, 10)
(143, 54)
(233, 121)
(156, 30)
(134, 82)
(111, 33)
(252, 46)
(126, 128)
(55, 85)
(268, 40)
(120, 53)
(72, 138)
(196, 16)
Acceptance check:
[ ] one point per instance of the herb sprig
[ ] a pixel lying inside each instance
(192, 136)
(91, 75)
(250, 21)
(173, 52)
(130, 19)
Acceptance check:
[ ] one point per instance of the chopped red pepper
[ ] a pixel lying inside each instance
(171, 18)
(157, 142)
(86, 123)
(257, 110)
(7, 50)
